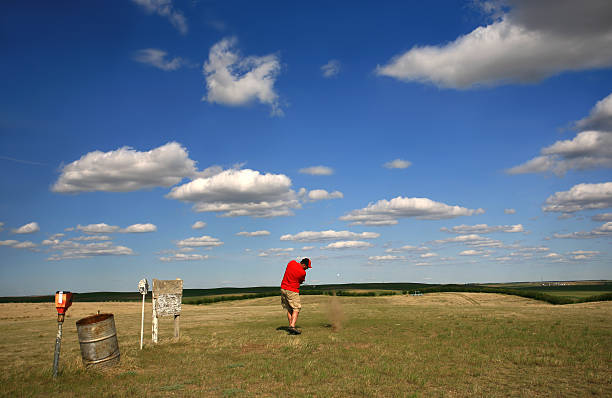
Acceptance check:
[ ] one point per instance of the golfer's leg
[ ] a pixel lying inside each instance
(294, 318)
(289, 316)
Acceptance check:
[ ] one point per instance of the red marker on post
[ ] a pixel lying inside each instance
(63, 301)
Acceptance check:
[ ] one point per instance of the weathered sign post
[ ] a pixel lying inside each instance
(143, 288)
(167, 297)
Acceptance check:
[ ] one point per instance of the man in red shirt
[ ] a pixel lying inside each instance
(290, 290)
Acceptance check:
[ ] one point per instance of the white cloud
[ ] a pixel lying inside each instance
(201, 241)
(126, 169)
(157, 58)
(140, 228)
(198, 225)
(331, 69)
(10, 242)
(588, 150)
(276, 252)
(307, 248)
(101, 228)
(471, 240)
(348, 244)
(320, 236)
(1, 226)
(317, 170)
(236, 81)
(27, 229)
(240, 193)
(509, 211)
(552, 255)
(602, 217)
(406, 248)
(183, 257)
(321, 194)
(483, 229)
(503, 259)
(90, 238)
(398, 164)
(533, 41)
(600, 117)
(254, 233)
(603, 230)
(165, 9)
(583, 254)
(428, 255)
(580, 197)
(591, 148)
(471, 253)
(386, 258)
(24, 245)
(387, 212)
(72, 250)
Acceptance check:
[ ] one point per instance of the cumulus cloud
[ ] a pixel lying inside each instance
(331, 69)
(183, 257)
(74, 250)
(580, 197)
(101, 228)
(198, 225)
(321, 194)
(509, 211)
(126, 169)
(254, 233)
(275, 252)
(27, 229)
(201, 241)
(321, 236)
(9, 242)
(602, 217)
(139, 228)
(600, 117)
(398, 164)
(235, 81)
(348, 244)
(471, 252)
(157, 58)
(317, 170)
(240, 193)
(406, 248)
(603, 230)
(386, 258)
(583, 254)
(471, 240)
(90, 238)
(530, 42)
(483, 229)
(428, 255)
(387, 212)
(590, 149)
(166, 9)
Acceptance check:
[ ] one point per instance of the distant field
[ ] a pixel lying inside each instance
(436, 345)
(575, 290)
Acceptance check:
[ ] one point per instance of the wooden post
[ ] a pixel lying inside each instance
(176, 327)
(154, 336)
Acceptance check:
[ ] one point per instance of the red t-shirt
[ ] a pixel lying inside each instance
(294, 276)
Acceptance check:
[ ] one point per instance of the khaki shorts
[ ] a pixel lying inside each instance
(290, 300)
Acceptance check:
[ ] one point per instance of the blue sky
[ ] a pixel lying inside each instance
(451, 141)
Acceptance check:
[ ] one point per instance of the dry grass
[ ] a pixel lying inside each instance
(446, 344)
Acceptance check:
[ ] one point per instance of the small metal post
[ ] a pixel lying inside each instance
(58, 343)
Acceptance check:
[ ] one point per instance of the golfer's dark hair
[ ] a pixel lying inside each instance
(305, 261)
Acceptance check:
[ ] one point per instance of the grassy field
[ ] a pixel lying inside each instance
(439, 344)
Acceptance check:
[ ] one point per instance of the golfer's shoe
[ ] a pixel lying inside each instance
(293, 331)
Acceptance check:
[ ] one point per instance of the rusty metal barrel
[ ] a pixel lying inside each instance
(98, 340)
